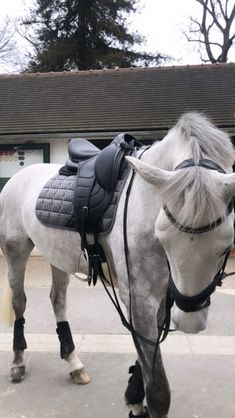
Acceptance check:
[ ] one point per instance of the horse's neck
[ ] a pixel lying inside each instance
(168, 153)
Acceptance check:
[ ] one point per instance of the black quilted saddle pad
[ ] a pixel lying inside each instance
(55, 207)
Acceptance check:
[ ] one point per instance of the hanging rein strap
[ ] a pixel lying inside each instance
(165, 328)
(137, 337)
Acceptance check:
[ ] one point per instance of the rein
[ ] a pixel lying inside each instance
(165, 328)
(136, 336)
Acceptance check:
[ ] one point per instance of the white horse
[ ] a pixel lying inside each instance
(179, 215)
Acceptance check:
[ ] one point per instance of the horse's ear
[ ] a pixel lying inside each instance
(228, 181)
(151, 174)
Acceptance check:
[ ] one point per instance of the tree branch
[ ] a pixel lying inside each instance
(6, 39)
(214, 15)
(223, 12)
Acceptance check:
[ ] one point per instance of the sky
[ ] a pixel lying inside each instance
(161, 22)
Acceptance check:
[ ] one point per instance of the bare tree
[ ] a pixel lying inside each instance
(215, 31)
(7, 45)
(13, 48)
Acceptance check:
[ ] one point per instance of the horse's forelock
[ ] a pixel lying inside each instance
(205, 139)
(196, 197)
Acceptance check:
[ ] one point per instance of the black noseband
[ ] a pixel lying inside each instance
(201, 300)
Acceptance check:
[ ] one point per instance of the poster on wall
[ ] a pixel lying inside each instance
(13, 160)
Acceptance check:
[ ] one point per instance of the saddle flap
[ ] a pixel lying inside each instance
(105, 172)
(89, 194)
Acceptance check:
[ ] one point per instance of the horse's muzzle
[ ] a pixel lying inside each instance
(189, 322)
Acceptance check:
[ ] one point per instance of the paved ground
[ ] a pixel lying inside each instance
(200, 368)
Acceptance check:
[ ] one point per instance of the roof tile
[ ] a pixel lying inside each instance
(115, 100)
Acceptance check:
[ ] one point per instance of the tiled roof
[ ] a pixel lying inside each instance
(137, 99)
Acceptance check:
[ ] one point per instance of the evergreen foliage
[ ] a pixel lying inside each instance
(84, 34)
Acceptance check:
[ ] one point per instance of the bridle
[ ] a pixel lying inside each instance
(201, 300)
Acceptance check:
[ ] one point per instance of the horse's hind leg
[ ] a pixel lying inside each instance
(60, 281)
(17, 253)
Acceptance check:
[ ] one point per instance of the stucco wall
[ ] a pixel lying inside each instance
(58, 151)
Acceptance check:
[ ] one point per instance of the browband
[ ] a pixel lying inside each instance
(200, 229)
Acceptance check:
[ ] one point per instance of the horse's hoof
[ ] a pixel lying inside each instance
(144, 415)
(80, 377)
(17, 373)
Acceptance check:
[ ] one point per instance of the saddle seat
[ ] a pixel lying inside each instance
(80, 149)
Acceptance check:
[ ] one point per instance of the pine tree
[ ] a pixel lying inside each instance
(84, 34)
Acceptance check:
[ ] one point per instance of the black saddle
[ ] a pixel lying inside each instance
(97, 173)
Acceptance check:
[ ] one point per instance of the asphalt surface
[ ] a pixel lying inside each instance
(200, 368)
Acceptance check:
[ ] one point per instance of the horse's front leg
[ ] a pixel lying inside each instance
(60, 281)
(157, 389)
(135, 392)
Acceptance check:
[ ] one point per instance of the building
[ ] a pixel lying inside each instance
(41, 112)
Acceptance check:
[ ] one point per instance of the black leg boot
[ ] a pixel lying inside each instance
(135, 393)
(135, 390)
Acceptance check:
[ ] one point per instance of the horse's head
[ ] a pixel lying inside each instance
(195, 228)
